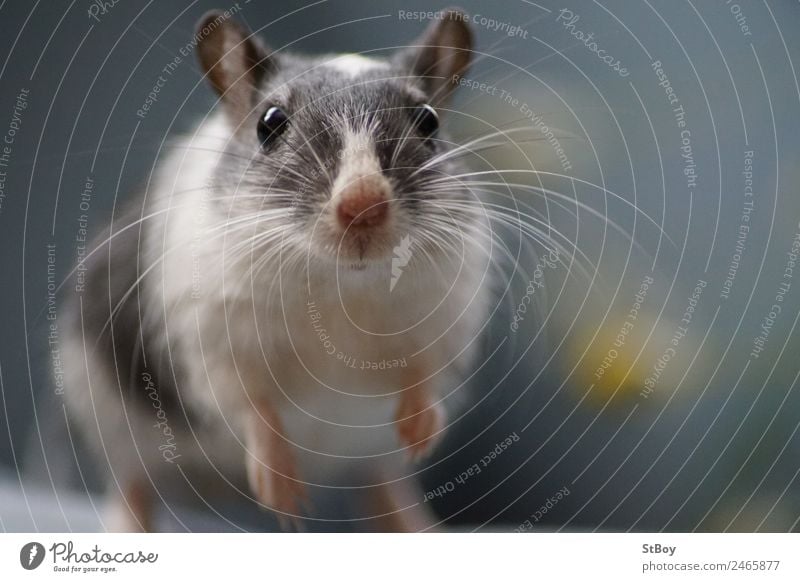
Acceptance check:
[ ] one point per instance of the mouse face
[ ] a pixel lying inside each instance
(340, 158)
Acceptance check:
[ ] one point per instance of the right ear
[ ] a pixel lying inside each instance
(441, 55)
(234, 60)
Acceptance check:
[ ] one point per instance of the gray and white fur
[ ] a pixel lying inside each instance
(243, 326)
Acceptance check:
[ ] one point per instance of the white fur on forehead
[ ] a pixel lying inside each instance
(358, 159)
(354, 65)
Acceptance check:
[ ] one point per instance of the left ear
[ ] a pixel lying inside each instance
(233, 60)
(441, 55)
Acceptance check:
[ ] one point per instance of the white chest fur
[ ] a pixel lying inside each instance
(332, 348)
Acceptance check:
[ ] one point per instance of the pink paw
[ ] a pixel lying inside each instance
(419, 426)
(276, 486)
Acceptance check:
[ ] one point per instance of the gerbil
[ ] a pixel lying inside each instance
(296, 294)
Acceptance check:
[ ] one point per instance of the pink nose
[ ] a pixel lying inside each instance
(362, 205)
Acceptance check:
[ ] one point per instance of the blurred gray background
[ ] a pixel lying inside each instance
(712, 447)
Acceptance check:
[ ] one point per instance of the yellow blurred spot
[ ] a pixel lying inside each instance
(616, 361)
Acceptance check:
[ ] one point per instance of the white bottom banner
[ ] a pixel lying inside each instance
(401, 557)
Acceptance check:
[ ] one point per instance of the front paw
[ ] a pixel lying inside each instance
(419, 426)
(276, 486)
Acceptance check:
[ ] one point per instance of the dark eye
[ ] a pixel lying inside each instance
(271, 125)
(427, 120)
